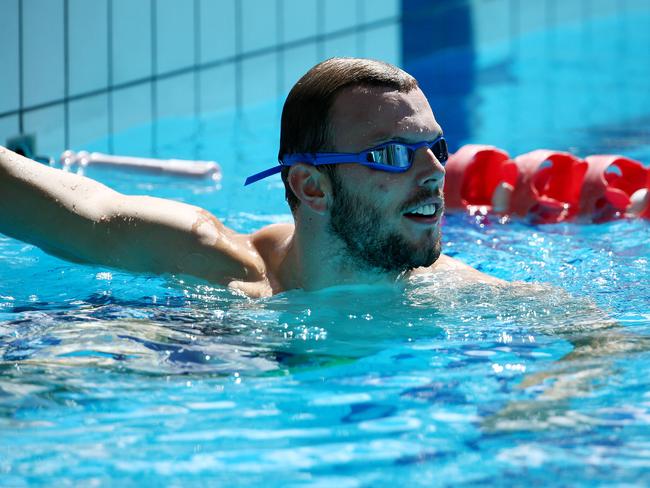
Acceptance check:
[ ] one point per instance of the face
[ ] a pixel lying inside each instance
(389, 221)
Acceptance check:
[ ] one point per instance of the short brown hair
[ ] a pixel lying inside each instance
(305, 123)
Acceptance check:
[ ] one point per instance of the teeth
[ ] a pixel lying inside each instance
(427, 210)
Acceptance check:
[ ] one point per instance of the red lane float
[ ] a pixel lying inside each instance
(546, 186)
(549, 188)
(475, 175)
(622, 191)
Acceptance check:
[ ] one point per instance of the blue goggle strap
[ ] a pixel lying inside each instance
(262, 174)
(323, 158)
(308, 158)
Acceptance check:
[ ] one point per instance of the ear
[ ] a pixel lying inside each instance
(310, 186)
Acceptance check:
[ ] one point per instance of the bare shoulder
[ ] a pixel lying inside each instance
(447, 264)
(271, 241)
(274, 230)
(269, 246)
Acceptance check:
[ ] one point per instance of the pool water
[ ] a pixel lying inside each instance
(110, 378)
(114, 378)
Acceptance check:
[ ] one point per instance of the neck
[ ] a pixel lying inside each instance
(316, 259)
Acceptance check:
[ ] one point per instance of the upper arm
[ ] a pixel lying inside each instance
(163, 236)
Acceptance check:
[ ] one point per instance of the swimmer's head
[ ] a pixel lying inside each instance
(306, 125)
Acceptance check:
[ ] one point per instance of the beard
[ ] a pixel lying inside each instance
(358, 223)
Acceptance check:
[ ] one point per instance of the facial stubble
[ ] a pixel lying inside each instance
(359, 224)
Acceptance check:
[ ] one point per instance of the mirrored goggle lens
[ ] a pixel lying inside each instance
(439, 150)
(391, 155)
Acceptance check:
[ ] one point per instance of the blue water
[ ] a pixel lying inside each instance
(109, 378)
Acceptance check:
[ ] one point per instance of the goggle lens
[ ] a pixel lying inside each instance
(440, 151)
(395, 155)
(401, 156)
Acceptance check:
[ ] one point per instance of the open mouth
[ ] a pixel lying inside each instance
(427, 213)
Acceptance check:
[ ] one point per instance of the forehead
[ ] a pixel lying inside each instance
(363, 116)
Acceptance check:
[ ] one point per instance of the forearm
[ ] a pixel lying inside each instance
(47, 207)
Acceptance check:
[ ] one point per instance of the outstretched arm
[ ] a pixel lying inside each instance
(79, 219)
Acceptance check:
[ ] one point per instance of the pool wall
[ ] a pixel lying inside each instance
(557, 73)
(74, 71)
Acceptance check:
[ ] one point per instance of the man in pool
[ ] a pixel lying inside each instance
(375, 218)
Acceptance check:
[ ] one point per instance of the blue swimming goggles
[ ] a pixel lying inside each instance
(392, 156)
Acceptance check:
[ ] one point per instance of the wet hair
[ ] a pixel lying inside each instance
(306, 125)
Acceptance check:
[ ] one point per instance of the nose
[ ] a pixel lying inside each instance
(429, 171)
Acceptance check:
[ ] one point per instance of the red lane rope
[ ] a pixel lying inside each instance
(546, 186)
